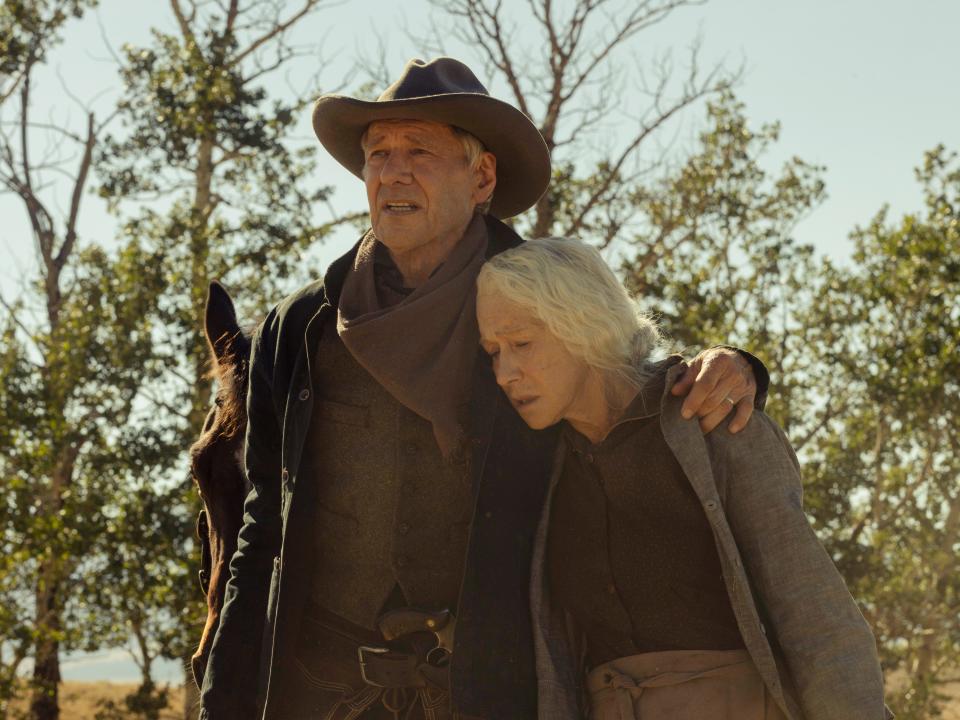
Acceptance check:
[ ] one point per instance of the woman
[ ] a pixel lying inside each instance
(675, 575)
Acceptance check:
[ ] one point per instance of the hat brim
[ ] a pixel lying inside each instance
(523, 160)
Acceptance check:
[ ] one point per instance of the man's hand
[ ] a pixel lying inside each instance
(717, 381)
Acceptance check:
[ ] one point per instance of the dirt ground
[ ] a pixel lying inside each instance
(78, 700)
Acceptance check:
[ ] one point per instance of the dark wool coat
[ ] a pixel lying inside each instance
(492, 671)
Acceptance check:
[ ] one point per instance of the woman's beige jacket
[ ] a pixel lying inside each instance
(799, 623)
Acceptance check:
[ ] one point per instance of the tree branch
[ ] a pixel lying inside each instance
(308, 7)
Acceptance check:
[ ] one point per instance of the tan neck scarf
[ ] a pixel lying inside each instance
(422, 349)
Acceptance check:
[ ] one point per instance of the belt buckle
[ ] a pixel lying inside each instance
(386, 668)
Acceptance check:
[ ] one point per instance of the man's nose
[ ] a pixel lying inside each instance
(395, 168)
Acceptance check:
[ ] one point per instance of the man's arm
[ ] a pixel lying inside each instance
(231, 680)
(717, 381)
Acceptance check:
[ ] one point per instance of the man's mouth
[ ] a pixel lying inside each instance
(522, 402)
(400, 208)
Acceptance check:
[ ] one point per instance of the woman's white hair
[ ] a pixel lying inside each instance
(568, 287)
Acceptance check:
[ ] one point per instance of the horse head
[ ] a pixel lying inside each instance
(216, 461)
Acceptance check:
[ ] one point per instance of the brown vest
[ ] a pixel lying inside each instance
(389, 510)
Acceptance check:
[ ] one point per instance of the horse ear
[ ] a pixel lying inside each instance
(220, 322)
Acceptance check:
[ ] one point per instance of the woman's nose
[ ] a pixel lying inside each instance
(506, 370)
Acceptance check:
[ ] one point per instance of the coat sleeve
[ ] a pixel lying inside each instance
(232, 677)
(829, 649)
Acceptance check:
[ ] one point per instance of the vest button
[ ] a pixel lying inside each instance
(410, 449)
(304, 394)
(403, 528)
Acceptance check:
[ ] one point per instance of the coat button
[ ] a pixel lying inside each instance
(304, 394)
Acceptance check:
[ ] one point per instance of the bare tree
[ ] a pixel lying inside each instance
(571, 85)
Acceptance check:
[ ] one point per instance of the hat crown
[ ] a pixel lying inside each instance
(442, 76)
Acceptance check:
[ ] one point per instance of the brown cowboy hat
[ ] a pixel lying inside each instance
(446, 91)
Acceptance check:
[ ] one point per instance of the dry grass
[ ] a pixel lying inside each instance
(80, 700)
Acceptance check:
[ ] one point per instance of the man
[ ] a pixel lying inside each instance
(396, 492)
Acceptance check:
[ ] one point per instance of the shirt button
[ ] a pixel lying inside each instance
(304, 394)
(403, 528)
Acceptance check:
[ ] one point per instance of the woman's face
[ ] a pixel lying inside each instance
(542, 380)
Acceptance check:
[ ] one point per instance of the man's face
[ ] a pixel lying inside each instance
(421, 190)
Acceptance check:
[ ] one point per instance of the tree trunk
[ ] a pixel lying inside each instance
(44, 701)
(545, 216)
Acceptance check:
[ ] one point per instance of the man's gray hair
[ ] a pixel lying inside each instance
(473, 149)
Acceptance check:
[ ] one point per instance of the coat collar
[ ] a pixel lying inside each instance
(500, 237)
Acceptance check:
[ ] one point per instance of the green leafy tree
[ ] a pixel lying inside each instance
(28, 29)
(202, 133)
(62, 388)
(205, 173)
(717, 260)
(884, 475)
(67, 390)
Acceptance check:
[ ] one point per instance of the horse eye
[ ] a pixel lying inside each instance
(218, 401)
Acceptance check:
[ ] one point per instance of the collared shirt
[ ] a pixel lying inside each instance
(631, 555)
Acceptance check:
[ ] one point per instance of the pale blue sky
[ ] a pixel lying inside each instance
(863, 87)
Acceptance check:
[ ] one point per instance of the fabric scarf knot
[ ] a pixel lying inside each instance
(421, 349)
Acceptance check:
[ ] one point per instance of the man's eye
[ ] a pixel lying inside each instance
(522, 344)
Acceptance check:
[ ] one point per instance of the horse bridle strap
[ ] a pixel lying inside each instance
(206, 559)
